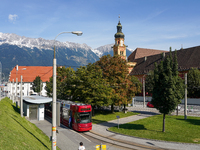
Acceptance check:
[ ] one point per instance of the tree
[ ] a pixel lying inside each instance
(64, 83)
(135, 86)
(149, 82)
(37, 84)
(167, 88)
(193, 83)
(90, 87)
(115, 72)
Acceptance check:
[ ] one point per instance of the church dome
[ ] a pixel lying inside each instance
(119, 33)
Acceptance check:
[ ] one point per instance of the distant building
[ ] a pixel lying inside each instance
(28, 73)
(187, 58)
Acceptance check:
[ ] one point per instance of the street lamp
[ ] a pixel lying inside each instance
(78, 33)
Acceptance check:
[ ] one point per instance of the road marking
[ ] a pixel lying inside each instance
(81, 135)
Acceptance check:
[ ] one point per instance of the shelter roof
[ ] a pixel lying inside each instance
(37, 99)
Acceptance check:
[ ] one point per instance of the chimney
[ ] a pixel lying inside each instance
(145, 58)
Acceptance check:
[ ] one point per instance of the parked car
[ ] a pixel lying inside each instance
(150, 105)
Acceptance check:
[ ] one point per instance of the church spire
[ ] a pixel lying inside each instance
(119, 48)
(119, 33)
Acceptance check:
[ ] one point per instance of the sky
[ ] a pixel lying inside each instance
(153, 24)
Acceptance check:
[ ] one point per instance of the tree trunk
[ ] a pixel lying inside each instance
(112, 108)
(125, 108)
(93, 110)
(163, 123)
(177, 110)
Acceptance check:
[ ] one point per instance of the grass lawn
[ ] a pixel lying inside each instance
(18, 133)
(102, 116)
(176, 128)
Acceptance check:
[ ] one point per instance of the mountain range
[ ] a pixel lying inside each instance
(25, 51)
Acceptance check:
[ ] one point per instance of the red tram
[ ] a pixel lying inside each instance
(77, 116)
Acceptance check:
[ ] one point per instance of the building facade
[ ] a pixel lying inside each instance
(28, 73)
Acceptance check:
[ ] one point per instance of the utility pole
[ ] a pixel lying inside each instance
(21, 99)
(185, 110)
(16, 81)
(143, 91)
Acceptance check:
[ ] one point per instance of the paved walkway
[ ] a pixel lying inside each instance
(64, 141)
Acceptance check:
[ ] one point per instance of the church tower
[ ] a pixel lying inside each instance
(119, 48)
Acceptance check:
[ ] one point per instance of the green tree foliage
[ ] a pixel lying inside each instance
(168, 88)
(149, 82)
(193, 83)
(115, 72)
(90, 87)
(37, 84)
(64, 83)
(134, 86)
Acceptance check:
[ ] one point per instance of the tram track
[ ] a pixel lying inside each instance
(119, 143)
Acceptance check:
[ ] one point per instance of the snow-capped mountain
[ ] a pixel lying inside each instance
(40, 43)
(24, 51)
(107, 49)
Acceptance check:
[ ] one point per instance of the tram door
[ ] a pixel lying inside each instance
(33, 109)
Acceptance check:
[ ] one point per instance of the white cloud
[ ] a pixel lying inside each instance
(12, 18)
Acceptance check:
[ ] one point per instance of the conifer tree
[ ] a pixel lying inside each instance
(37, 84)
(194, 83)
(167, 90)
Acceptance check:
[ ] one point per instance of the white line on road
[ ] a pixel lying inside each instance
(81, 135)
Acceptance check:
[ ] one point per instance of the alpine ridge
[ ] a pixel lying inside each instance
(25, 51)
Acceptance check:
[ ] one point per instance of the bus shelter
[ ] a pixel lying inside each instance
(33, 106)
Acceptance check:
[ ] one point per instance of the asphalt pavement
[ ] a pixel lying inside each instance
(65, 142)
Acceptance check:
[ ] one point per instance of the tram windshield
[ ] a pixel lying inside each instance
(84, 117)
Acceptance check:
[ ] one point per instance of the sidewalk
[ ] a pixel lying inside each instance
(101, 129)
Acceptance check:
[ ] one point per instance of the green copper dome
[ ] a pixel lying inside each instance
(119, 33)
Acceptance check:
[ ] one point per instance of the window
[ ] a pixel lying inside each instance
(83, 117)
(121, 53)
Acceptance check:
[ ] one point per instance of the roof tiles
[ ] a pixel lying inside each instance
(29, 73)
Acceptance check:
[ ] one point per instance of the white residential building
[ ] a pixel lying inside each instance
(28, 73)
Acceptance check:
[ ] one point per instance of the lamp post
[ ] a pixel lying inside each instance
(78, 33)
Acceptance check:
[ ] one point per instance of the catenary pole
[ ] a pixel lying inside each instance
(185, 110)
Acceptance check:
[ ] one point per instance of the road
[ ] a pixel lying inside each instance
(68, 139)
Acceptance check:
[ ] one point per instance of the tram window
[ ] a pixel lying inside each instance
(83, 117)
